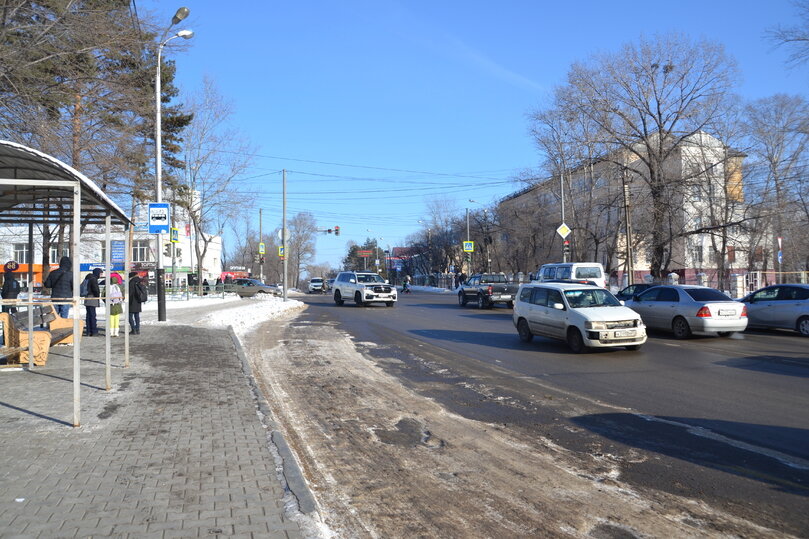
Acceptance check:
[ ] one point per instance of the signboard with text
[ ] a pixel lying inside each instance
(158, 218)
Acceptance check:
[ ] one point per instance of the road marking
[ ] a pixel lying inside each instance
(792, 462)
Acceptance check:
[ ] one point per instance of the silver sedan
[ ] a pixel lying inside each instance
(686, 309)
(780, 306)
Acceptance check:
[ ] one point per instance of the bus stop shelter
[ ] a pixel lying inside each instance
(38, 189)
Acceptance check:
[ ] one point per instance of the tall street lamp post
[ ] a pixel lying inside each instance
(181, 14)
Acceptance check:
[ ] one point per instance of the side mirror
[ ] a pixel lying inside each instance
(622, 302)
(559, 306)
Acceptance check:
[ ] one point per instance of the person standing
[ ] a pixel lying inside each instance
(91, 301)
(60, 281)
(114, 301)
(135, 304)
(11, 286)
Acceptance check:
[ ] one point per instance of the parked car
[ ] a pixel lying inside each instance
(486, 289)
(247, 288)
(584, 316)
(632, 290)
(687, 309)
(572, 271)
(315, 284)
(779, 306)
(363, 287)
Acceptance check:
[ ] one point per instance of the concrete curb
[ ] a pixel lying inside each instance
(291, 471)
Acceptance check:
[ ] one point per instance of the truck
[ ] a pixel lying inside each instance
(486, 289)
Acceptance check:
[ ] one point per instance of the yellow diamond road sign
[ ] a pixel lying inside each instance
(563, 230)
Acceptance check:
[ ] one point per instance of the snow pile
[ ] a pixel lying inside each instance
(251, 312)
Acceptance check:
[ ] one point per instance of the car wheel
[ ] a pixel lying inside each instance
(726, 333)
(261, 292)
(575, 341)
(681, 328)
(633, 347)
(524, 331)
(803, 326)
(358, 299)
(481, 302)
(338, 298)
(462, 299)
(389, 303)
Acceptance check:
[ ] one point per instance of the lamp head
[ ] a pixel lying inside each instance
(181, 14)
(186, 34)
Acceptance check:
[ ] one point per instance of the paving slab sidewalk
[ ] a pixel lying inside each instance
(176, 449)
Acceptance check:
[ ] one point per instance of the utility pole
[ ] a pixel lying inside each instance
(284, 231)
(630, 265)
(261, 256)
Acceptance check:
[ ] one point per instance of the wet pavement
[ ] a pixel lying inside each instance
(180, 447)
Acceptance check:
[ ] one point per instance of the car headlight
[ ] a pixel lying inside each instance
(595, 325)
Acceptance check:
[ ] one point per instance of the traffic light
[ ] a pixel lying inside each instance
(336, 230)
(567, 246)
(328, 231)
(261, 260)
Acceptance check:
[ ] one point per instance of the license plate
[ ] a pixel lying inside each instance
(727, 312)
(625, 333)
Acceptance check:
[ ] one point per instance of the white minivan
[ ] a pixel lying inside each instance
(572, 271)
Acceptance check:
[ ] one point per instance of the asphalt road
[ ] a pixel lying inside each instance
(721, 420)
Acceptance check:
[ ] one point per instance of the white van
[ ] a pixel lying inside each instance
(575, 271)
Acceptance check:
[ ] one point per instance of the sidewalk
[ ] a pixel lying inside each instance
(176, 449)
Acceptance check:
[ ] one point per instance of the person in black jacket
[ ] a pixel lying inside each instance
(135, 305)
(11, 286)
(91, 301)
(60, 282)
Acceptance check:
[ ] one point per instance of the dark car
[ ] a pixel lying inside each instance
(247, 288)
(632, 290)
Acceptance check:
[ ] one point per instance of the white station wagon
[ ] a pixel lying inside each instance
(584, 316)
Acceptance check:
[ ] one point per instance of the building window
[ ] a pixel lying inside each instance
(140, 251)
(696, 192)
(54, 255)
(696, 255)
(21, 253)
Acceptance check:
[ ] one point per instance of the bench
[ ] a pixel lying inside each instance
(15, 330)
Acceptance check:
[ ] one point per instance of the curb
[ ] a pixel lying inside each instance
(291, 471)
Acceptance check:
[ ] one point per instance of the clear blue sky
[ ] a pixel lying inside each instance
(376, 107)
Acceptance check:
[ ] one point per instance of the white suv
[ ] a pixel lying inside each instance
(363, 287)
(582, 315)
(315, 284)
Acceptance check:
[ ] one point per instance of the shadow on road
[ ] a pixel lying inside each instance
(783, 365)
(693, 440)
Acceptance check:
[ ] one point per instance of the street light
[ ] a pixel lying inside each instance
(181, 14)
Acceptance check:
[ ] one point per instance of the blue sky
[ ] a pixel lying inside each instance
(377, 107)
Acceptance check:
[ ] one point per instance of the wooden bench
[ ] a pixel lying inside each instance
(15, 330)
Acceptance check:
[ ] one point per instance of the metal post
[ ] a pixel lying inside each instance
(106, 297)
(260, 262)
(284, 231)
(562, 199)
(76, 327)
(128, 233)
(160, 272)
(30, 295)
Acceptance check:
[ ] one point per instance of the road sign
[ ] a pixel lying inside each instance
(280, 251)
(175, 235)
(563, 230)
(261, 248)
(158, 218)
(469, 247)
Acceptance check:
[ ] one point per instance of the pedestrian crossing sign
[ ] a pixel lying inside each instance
(469, 247)
(280, 251)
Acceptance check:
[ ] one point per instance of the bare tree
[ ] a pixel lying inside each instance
(208, 190)
(646, 101)
(300, 249)
(795, 36)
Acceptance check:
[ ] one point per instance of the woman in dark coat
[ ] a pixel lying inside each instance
(91, 302)
(135, 305)
(11, 286)
(60, 282)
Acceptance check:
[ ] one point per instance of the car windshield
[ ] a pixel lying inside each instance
(706, 294)
(493, 278)
(370, 279)
(596, 297)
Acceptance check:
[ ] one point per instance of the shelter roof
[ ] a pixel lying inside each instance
(38, 188)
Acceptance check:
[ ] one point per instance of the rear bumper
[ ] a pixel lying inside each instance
(715, 325)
